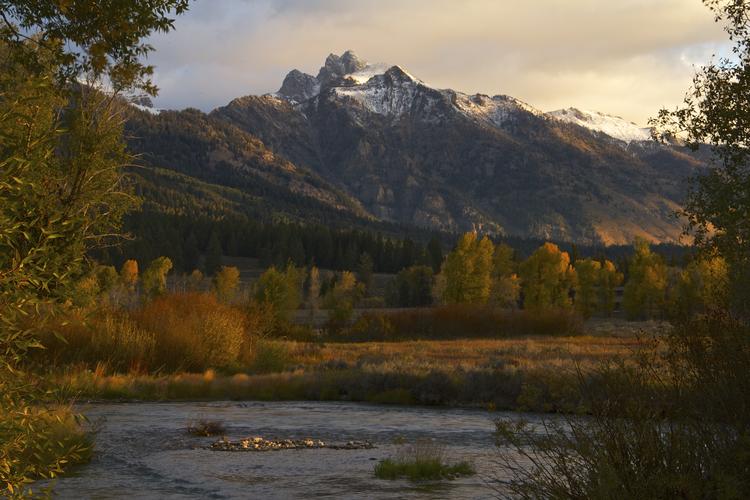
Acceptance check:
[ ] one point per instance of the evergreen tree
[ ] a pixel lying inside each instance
(364, 271)
(214, 254)
(190, 251)
(435, 253)
(412, 287)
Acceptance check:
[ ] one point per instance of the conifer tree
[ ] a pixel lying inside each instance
(214, 254)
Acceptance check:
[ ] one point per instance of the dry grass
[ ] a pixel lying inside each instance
(449, 355)
(537, 373)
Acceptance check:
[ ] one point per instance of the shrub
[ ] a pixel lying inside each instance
(674, 425)
(194, 331)
(122, 344)
(463, 321)
(269, 357)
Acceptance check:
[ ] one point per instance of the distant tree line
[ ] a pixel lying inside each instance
(200, 243)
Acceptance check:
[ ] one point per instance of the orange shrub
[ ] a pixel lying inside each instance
(193, 331)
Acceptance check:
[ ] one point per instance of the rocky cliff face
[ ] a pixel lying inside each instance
(442, 159)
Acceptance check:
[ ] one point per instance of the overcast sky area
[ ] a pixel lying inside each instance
(622, 57)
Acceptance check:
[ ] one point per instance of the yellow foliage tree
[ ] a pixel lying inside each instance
(155, 277)
(226, 283)
(280, 291)
(644, 295)
(467, 271)
(588, 272)
(129, 275)
(195, 281)
(609, 279)
(547, 278)
(702, 286)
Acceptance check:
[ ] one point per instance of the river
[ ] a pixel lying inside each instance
(143, 451)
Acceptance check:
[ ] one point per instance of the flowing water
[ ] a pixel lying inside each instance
(143, 451)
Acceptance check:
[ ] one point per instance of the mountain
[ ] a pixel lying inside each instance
(376, 144)
(202, 162)
(447, 160)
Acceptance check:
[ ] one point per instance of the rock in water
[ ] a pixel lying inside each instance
(259, 444)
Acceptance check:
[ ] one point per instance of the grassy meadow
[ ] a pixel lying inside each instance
(535, 373)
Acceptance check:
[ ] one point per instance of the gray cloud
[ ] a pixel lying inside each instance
(628, 57)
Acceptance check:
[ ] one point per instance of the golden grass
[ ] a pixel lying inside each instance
(531, 353)
(532, 374)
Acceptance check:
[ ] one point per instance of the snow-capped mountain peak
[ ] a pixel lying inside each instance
(613, 126)
(392, 91)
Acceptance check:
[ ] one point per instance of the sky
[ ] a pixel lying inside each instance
(628, 58)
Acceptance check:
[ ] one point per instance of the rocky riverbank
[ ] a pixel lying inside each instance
(261, 444)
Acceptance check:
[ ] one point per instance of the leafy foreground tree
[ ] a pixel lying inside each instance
(717, 112)
(61, 190)
(677, 423)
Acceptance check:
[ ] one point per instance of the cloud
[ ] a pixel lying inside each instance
(628, 57)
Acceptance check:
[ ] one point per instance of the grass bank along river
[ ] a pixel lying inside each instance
(532, 374)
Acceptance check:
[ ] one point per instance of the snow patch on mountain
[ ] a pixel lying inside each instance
(391, 93)
(613, 126)
(497, 110)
